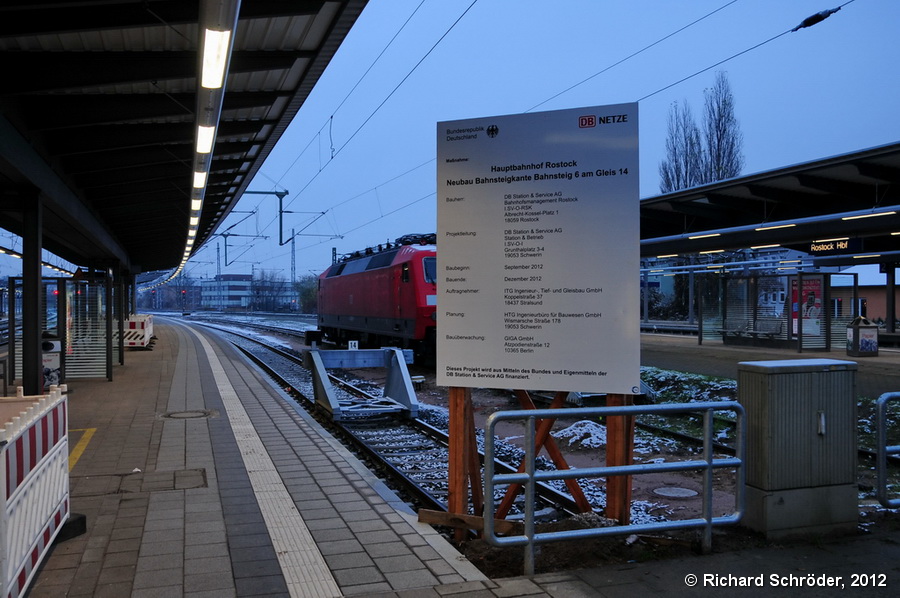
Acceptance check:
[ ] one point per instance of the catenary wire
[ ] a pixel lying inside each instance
(349, 93)
(632, 55)
(384, 101)
(372, 114)
(742, 52)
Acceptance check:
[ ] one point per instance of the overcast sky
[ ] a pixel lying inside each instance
(362, 148)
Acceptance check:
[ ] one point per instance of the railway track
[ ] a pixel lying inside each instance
(411, 454)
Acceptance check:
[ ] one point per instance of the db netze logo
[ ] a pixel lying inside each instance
(586, 122)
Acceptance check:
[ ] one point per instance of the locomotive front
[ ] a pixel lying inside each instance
(383, 296)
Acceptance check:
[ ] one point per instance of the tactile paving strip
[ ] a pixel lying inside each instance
(303, 567)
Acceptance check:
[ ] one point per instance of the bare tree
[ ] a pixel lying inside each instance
(268, 289)
(722, 156)
(682, 165)
(695, 157)
(307, 289)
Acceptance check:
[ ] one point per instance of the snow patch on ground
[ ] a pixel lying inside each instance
(583, 434)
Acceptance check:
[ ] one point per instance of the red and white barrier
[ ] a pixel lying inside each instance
(138, 330)
(34, 457)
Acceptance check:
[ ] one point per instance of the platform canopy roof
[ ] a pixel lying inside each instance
(100, 105)
(854, 196)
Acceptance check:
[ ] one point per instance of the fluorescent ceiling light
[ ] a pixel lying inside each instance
(199, 180)
(196, 204)
(857, 257)
(662, 257)
(705, 236)
(205, 138)
(713, 251)
(868, 215)
(830, 240)
(764, 246)
(215, 55)
(775, 226)
(194, 221)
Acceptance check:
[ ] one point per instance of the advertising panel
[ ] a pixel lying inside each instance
(807, 304)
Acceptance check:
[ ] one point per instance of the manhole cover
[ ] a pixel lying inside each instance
(674, 492)
(200, 413)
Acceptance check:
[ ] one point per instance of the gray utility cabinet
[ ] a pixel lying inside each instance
(801, 445)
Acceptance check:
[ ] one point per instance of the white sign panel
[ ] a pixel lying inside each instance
(539, 251)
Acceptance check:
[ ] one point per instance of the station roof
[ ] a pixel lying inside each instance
(855, 195)
(98, 100)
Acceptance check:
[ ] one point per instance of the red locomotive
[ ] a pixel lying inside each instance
(383, 296)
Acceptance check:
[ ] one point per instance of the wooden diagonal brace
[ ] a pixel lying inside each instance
(543, 439)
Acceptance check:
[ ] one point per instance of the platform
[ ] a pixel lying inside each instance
(199, 478)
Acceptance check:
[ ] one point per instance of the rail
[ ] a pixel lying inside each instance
(883, 450)
(530, 477)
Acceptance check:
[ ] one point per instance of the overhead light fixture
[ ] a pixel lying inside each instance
(831, 240)
(775, 226)
(194, 221)
(791, 262)
(662, 257)
(859, 257)
(713, 251)
(196, 204)
(707, 236)
(199, 180)
(874, 215)
(215, 56)
(205, 138)
(764, 246)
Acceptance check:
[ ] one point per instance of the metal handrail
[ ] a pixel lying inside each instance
(530, 477)
(882, 450)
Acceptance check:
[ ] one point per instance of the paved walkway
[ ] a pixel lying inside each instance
(200, 479)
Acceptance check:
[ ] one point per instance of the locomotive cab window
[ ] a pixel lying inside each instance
(430, 267)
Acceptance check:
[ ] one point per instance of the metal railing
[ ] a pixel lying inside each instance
(882, 450)
(530, 477)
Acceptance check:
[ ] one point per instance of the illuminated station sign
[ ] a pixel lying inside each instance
(835, 246)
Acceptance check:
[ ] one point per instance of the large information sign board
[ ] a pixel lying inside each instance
(539, 250)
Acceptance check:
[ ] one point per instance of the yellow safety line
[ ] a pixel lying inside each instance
(82, 444)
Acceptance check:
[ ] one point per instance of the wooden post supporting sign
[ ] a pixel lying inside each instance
(464, 467)
(619, 451)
